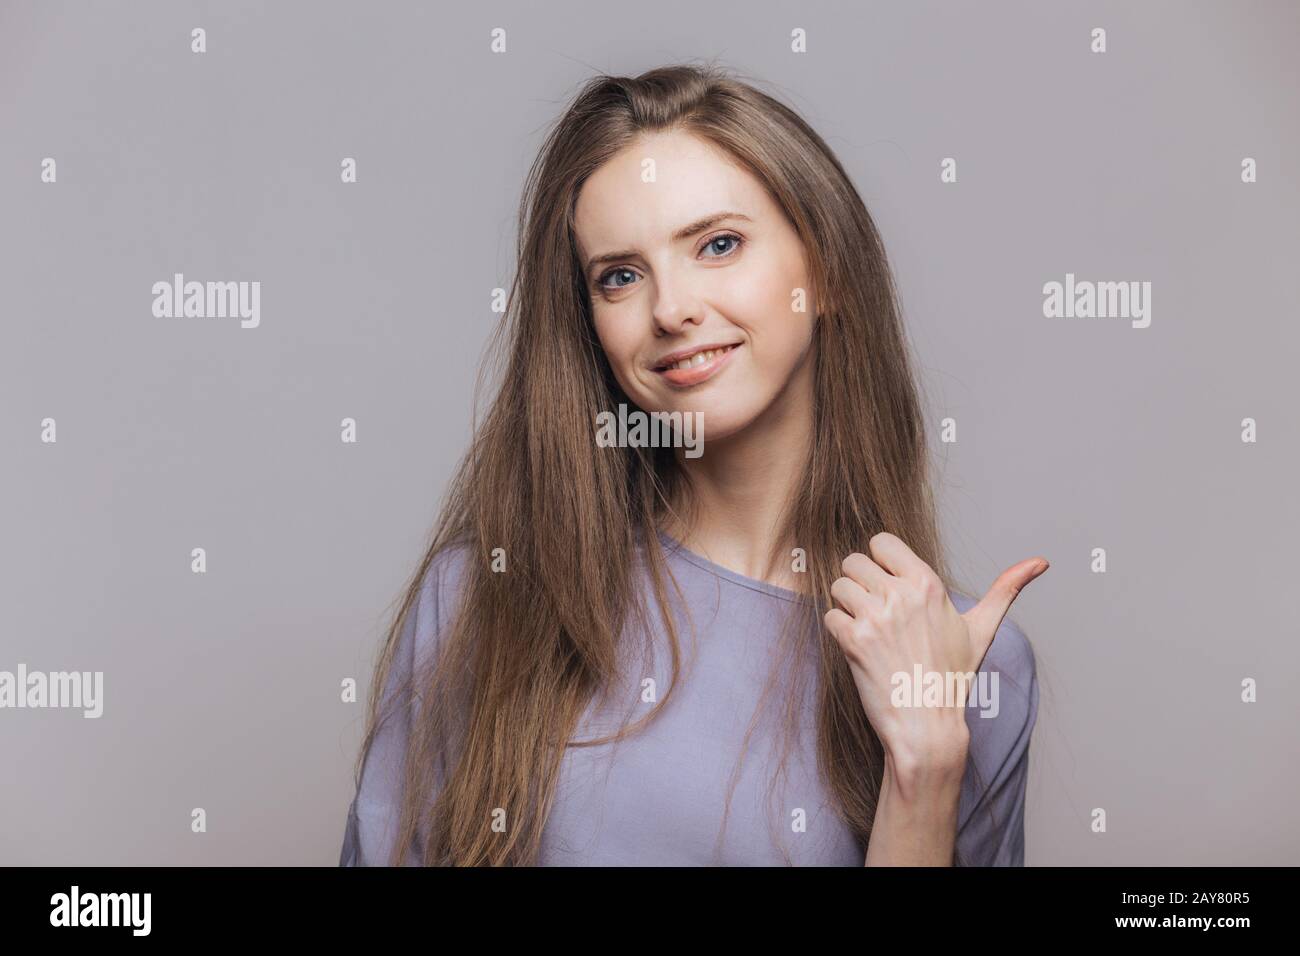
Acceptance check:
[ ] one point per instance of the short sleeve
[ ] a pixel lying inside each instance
(991, 812)
(373, 814)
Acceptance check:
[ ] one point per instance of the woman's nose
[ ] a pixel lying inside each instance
(675, 305)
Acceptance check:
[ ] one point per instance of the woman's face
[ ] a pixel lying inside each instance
(736, 287)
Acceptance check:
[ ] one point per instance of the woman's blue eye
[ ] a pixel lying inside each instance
(605, 278)
(727, 238)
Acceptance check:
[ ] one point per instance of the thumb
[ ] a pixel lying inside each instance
(984, 619)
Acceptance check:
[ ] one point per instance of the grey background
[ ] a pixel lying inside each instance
(222, 689)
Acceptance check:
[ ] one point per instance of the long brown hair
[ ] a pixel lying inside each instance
(529, 649)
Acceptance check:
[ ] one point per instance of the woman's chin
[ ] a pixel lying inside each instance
(715, 420)
(719, 425)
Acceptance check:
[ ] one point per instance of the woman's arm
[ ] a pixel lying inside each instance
(374, 813)
(916, 818)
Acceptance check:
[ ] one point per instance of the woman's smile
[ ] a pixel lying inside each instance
(693, 366)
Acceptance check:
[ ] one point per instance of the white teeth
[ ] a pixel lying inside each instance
(700, 358)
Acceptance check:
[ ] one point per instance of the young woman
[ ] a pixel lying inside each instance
(659, 655)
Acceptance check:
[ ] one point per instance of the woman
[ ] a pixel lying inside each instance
(689, 246)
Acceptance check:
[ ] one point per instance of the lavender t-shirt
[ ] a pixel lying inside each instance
(657, 797)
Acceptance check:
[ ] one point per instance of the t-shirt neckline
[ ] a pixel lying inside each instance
(735, 577)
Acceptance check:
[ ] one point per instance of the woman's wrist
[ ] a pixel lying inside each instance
(937, 763)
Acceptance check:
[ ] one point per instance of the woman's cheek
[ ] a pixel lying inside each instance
(620, 356)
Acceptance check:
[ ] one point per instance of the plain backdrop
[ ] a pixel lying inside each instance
(222, 689)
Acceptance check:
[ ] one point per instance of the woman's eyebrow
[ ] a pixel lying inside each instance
(683, 233)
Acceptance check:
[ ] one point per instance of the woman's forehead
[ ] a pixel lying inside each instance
(647, 192)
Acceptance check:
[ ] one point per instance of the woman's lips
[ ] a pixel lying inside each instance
(697, 373)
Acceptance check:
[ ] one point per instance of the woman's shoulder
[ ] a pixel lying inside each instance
(446, 569)
(441, 581)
